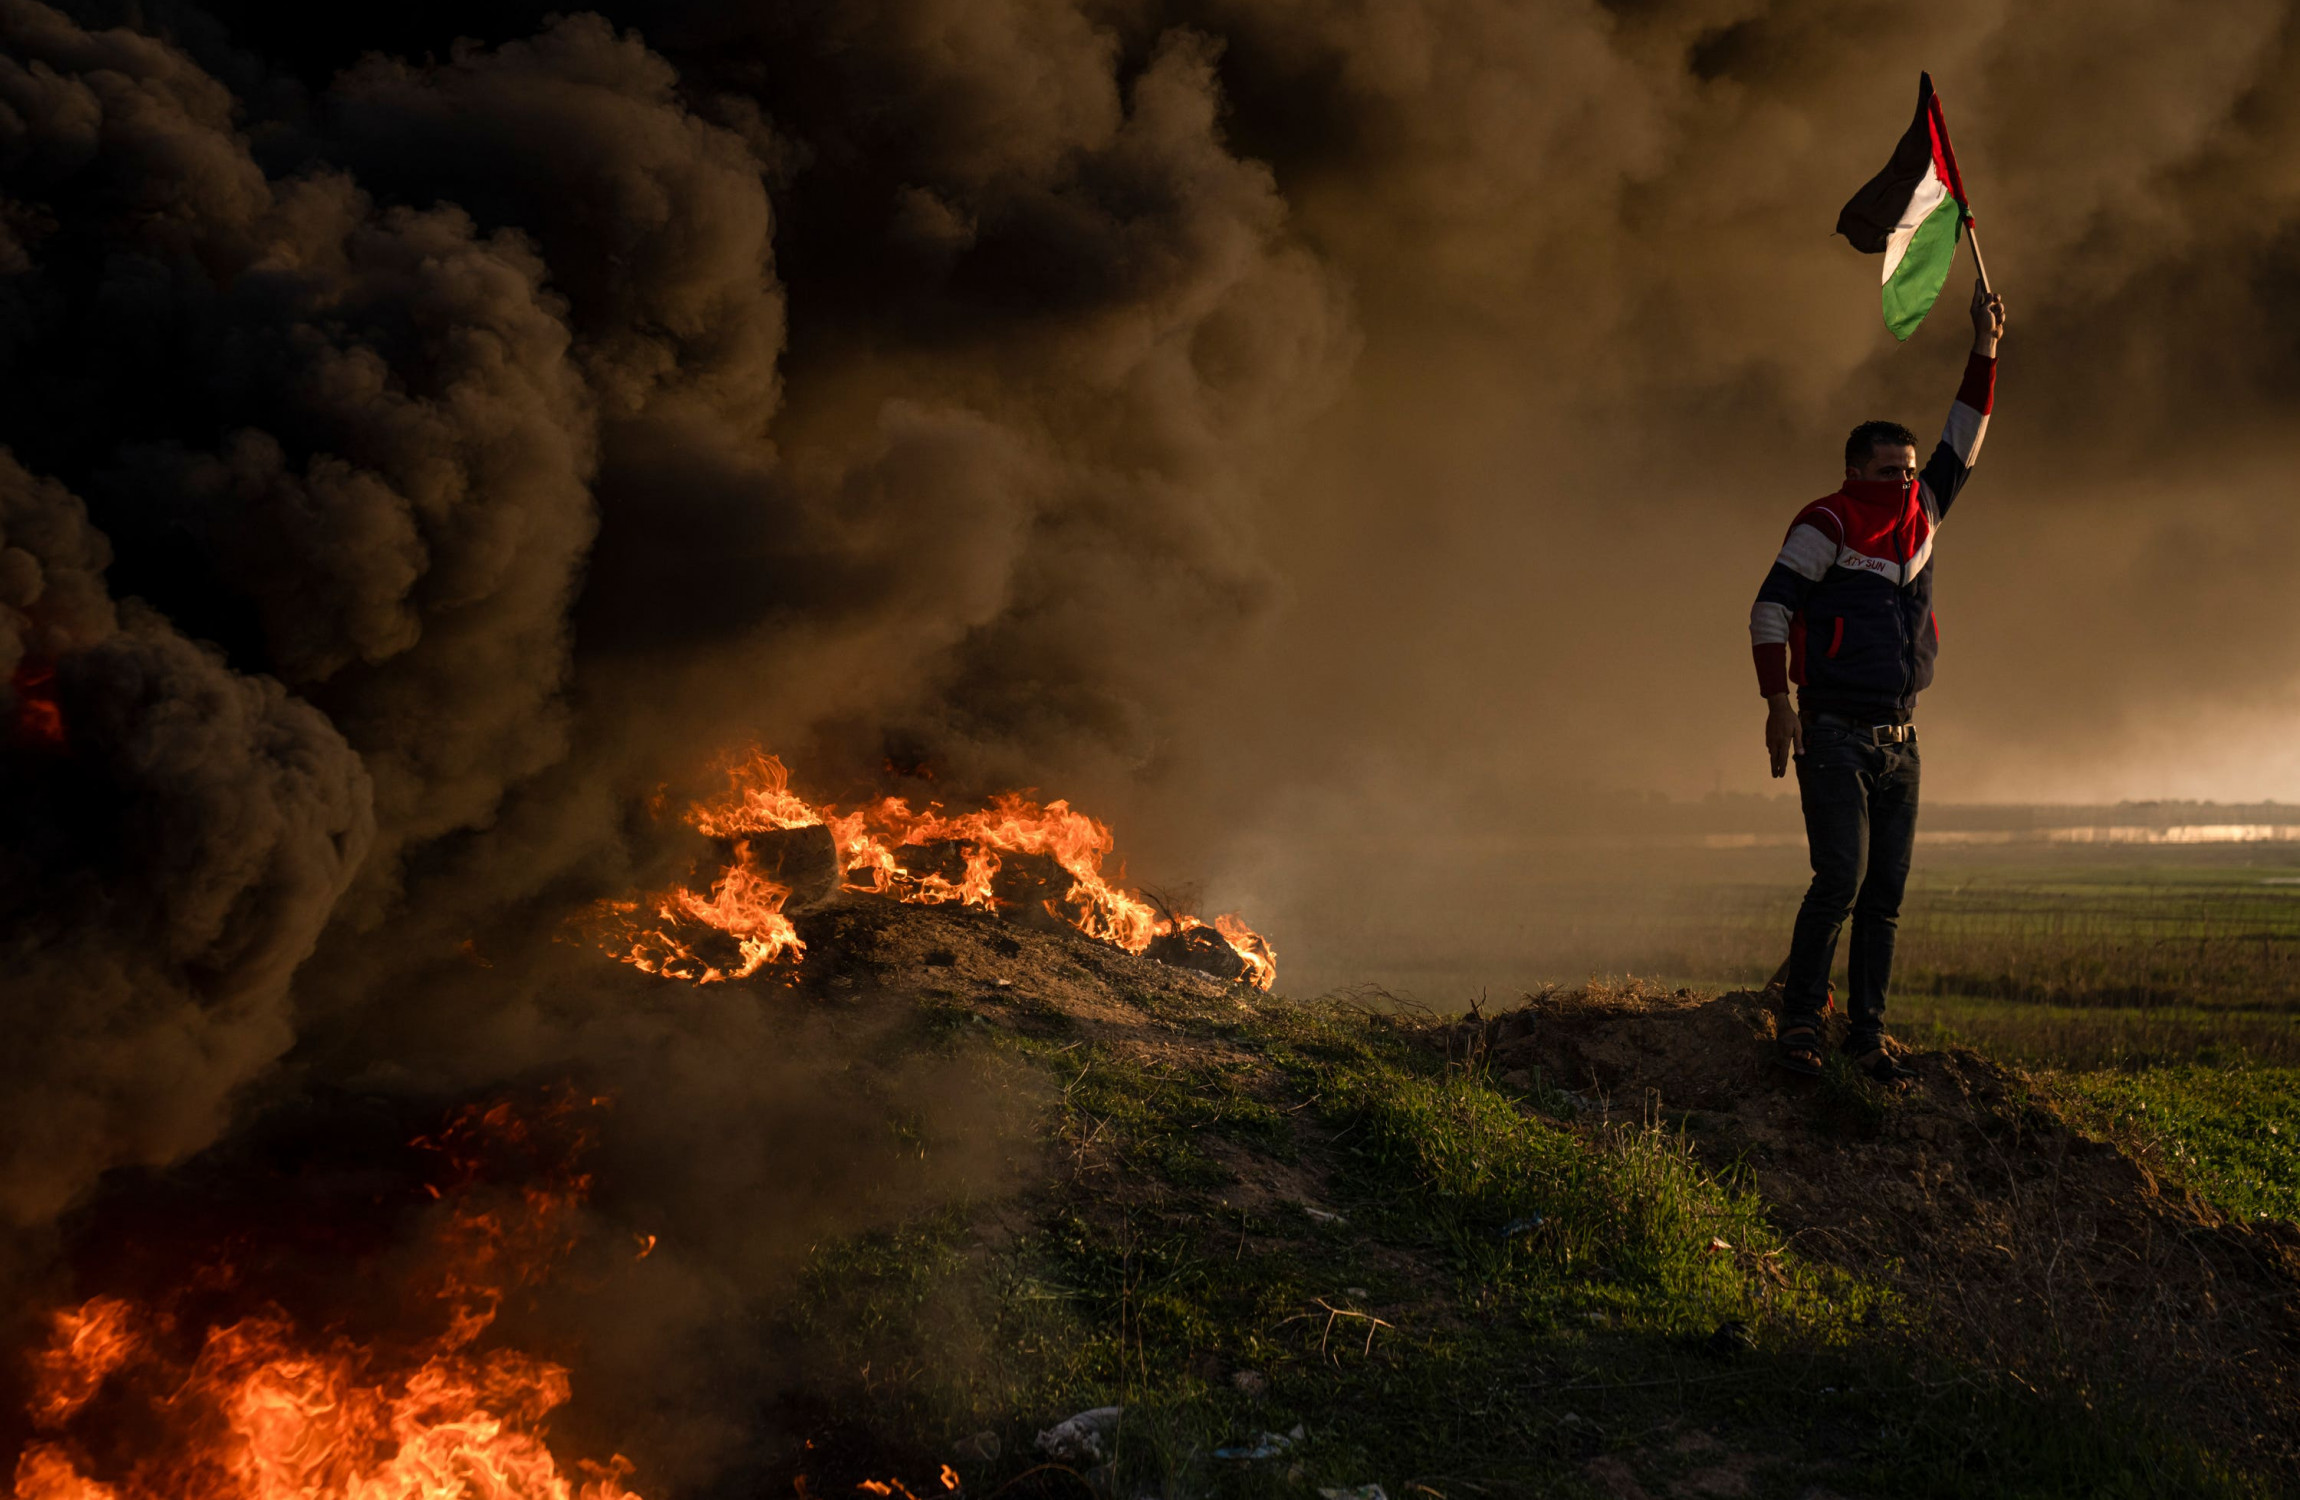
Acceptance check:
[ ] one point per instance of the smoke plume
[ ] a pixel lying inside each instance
(444, 418)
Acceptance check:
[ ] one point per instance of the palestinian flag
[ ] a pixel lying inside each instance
(1913, 211)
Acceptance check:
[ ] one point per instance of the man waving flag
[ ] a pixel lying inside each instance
(1845, 617)
(1913, 212)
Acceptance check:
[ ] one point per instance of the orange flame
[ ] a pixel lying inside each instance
(90, 1342)
(264, 1411)
(870, 840)
(742, 903)
(873, 843)
(890, 1487)
(39, 717)
(760, 799)
(1261, 960)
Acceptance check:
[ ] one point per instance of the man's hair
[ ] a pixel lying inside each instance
(1870, 436)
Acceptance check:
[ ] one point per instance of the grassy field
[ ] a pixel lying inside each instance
(2228, 1133)
(2103, 928)
(2158, 985)
(2211, 928)
(1305, 1253)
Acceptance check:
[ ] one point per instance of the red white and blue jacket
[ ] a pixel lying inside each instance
(1847, 611)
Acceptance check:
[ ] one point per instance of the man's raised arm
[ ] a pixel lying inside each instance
(1953, 457)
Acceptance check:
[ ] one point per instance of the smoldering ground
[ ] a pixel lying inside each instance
(1251, 420)
(670, 1306)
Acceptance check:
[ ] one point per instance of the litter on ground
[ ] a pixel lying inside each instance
(1081, 1437)
(1268, 1445)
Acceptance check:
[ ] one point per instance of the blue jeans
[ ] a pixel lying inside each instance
(1860, 802)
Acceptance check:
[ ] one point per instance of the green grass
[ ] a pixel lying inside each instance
(2159, 988)
(2090, 1037)
(2228, 1134)
(1449, 1286)
(2078, 932)
(2211, 1097)
(1551, 1225)
(2160, 985)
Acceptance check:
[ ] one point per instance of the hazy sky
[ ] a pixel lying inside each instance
(1611, 348)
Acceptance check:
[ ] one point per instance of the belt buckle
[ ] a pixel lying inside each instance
(1888, 734)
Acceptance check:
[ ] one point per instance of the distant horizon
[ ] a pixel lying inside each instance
(1790, 796)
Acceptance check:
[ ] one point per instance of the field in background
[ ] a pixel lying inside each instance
(2072, 954)
(2156, 985)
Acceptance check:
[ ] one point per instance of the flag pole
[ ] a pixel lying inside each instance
(1973, 237)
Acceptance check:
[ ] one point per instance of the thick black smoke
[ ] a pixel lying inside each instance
(446, 416)
(173, 837)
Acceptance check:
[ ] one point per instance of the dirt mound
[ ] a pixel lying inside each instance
(1009, 970)
(2023, 1239)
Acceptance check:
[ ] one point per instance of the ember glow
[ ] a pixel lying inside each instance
(39, 718)
(129, 1403)
(925, 856)
(888, 1489)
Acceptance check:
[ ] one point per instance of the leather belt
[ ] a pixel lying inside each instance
(1875, 734)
